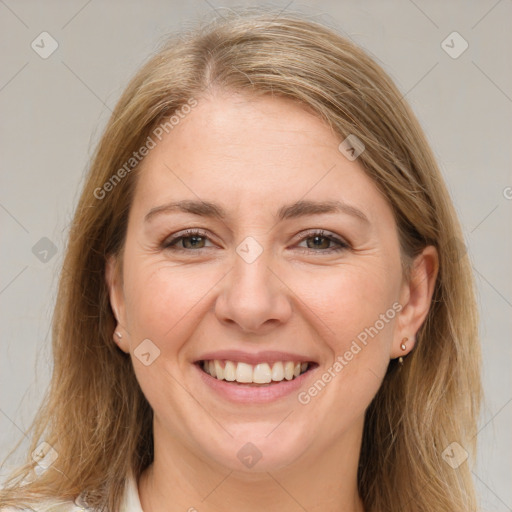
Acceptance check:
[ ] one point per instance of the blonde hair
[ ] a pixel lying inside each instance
(95, 414)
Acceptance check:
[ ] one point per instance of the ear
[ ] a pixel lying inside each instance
(116, 295)
(415, 297)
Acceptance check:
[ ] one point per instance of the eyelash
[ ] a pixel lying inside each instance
(170, 243)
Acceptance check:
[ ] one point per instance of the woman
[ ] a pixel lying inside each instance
(262, 304)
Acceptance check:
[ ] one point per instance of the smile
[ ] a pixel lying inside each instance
(261, 373)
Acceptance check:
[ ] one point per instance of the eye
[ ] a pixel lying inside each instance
(190, 239)
(321, 241)
(195, 239)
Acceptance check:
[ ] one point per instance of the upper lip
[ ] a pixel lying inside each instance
(267, 356)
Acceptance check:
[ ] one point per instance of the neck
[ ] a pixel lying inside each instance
(178, 480)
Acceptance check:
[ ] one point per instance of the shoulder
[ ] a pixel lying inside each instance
(130, 502)
(47, 506)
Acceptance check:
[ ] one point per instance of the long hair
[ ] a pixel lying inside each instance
(95, 415)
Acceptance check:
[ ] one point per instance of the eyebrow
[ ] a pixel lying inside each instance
(291, 211)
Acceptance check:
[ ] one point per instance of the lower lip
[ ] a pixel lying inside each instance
(245, 394)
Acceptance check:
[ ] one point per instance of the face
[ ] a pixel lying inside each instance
(257, 287)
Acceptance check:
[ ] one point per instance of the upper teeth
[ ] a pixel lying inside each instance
(261, 373)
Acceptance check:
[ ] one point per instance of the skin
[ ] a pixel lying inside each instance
(252, 156)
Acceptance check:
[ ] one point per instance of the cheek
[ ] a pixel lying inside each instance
(359, 306)
(167, 306)
(163, 301)
(163, 305)
(347, 300)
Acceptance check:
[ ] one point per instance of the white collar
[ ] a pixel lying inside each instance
(131, 500)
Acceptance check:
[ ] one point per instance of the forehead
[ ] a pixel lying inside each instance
(252, 153)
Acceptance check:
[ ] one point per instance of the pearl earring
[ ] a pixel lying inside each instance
(119, 335)
(403, 347)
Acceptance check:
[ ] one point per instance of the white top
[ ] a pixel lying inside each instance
(130, 502)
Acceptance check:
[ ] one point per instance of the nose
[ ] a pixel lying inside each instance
(253, 296)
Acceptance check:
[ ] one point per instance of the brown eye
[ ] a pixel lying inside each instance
(188, 240)
(193, 242)
(320, 242)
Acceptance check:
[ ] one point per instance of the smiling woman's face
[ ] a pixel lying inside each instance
(258, 284)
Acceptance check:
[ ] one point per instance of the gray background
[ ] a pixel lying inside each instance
(53, 111)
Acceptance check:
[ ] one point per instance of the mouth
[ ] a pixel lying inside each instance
(254, 375)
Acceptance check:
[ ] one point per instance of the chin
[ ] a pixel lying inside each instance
(257, 449)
